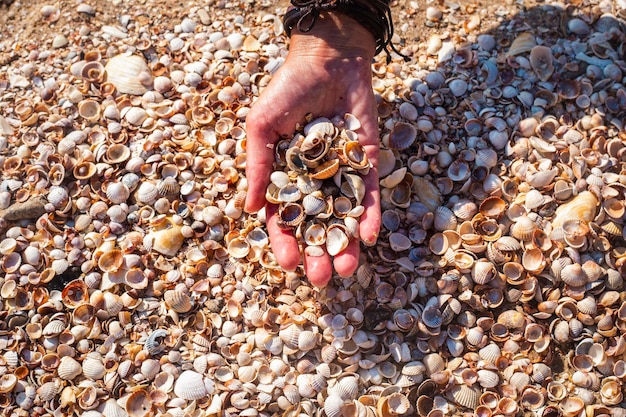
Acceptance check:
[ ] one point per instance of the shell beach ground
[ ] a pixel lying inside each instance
(133, 284)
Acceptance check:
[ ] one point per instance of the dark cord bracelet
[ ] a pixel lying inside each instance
(373, 15)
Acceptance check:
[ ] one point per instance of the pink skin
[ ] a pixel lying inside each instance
(327, 72)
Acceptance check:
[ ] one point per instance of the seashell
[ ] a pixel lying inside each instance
(89, 110)
(393, 404)
(492, 207)
(483, 272)
(433, 362)
(402, 136)
(84, 170)
(314, 204)
(523, 228)
(69, 368)
(190, 386)
(333, 406)
(167, 238)
(315, 234)
(152, 345)
(571, 406)
(93, 367)
(129, 74)
(488, 378)
(444, 219)
(490, 353)
(326, 170)
(533, 260)
(168, 187)
(7, 383)
(336, 240)
(347, 388)
(355, 155)
(524, 42)
(581, 208)
(306, 184)
(459, 170)
(178, 301)
(356, 186)
(573, 275)
(135, 116)
(117, 192)
(139, 404)
(291, 214)
(465, 396)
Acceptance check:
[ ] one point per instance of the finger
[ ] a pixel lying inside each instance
(284, 244)
(370, 219)
(318, 269)
(259, 161)
(347, 261)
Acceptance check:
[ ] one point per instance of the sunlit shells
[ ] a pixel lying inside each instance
(127, 73)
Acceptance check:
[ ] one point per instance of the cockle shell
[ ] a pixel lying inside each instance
(465, 396)
(402, 136)
(190, 386)
(129, 74)
(69, 368)
(178, 301)
(541, 62)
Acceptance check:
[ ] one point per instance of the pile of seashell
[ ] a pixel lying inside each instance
(133, 284)
(319, 189)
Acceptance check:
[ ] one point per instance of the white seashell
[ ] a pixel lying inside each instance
(117, 192)
(69, 368)
(190, 386)
(129, 74)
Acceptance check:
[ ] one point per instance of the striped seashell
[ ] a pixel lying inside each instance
(444, 219)
(465, 396)
(125, 73)
(433, 362)
(246, 374)
(432, 317)
(523, 228)
(588, 305)
(490, 353)
(328, 353)
(290, 335)
(190, 386)
(93, 367)
(307, 340)
(167, 187)
(507, 244)
(519, 380)
(150, 368)
(347, 388)
(402, 136)
(535, 199)
(333, 406)
(152, 344)
(307, 184)
(541, 372)
(178, 301)
(326, 169)
(53, 328)
(573, 275)
(147, 193)
(483, 272)
(69, 368)
(488, 378)
(474, 336)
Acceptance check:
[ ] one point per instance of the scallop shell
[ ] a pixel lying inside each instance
(573, 275)
(129, 74)
(465, 396)
(117, 192)
(69, 368)
(178, 301)
(402, 136)
(190, 386)
(444, 219)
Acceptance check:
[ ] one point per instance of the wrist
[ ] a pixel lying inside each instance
(334, 35)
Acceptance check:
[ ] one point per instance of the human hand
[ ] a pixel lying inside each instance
(327, 72)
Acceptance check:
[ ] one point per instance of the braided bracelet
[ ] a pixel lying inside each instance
(373, 15)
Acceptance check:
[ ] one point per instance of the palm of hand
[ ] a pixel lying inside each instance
(300, 87)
